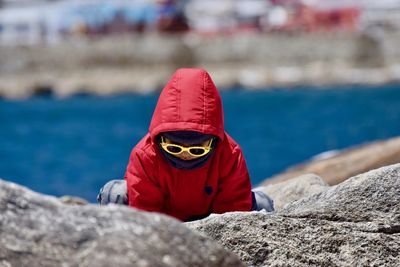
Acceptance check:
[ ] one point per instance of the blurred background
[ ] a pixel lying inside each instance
(79, 80)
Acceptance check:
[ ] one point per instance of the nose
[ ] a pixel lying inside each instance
(185, 155)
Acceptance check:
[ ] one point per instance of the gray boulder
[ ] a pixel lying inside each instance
(294, 189)
(37, 230)
(370, 197)
(356, 223)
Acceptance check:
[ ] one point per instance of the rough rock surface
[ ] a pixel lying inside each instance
(297, 188)
(345, 164)
(37, 230)
(356, 223)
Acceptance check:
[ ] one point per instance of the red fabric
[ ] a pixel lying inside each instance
(191, 102)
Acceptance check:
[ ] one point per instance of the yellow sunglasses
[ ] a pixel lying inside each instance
(194, 151)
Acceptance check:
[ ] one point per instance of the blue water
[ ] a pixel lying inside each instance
(74, 145)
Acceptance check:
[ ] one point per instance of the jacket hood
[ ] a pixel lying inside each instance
(189, 102)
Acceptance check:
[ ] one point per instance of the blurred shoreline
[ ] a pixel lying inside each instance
(143, 63)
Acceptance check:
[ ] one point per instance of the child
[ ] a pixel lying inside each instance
(187, 166)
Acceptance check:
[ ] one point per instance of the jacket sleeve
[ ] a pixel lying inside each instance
(234, 187)
(144, 191)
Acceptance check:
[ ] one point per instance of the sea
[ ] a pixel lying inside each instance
(72, 146)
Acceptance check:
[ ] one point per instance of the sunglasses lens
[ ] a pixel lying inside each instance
(174, 149)
(197, 151)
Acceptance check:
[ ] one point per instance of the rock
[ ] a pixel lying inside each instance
(372, 197)
(345, 164)
(39, 230)
(356, 223)
(294, 189)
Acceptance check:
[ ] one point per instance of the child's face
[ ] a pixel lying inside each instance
(185, 155)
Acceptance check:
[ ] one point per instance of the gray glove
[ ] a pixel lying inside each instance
(262, 201)
(115, 191)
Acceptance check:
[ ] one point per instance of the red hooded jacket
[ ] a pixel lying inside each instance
(189, 102)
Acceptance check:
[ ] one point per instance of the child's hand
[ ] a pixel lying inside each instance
(115, 191)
